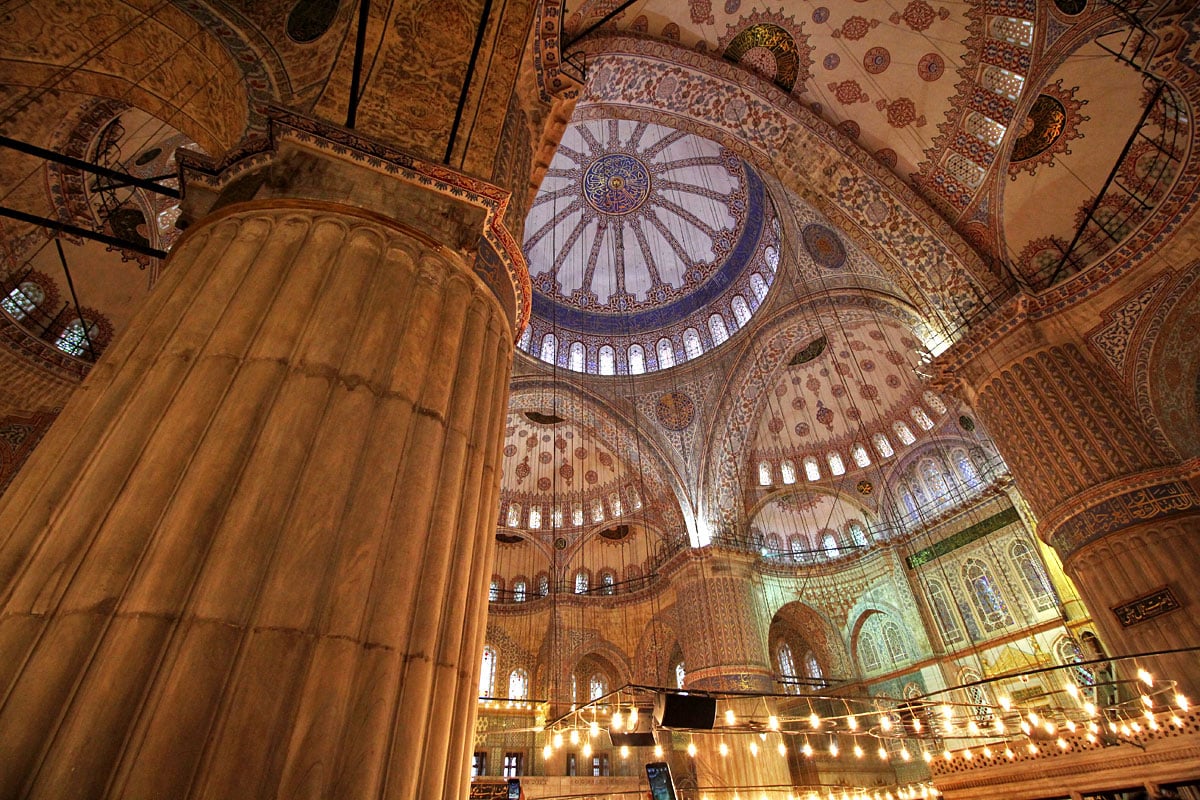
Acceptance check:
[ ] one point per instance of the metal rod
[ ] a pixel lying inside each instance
(360, 42)
(1108, 181)
(75, 230)
(462, 97)
(62, 257)
(87, 166)
(598, 23)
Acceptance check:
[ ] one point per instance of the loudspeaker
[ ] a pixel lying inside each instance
(679, 710)
(641, 736)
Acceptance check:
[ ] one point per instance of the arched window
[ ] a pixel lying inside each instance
(637, 359)
(741, 311)
(836, 465)
(76, 338)
(772, 257)
(787, 668)
(984, 595)
(487, 675)
(535, 517)
(860, 455)
(894, 640)
(788, 471)
(680, 675)
(519, 591)
(1032, 576)
(934, 402)
(543, 585)
(921, 418)
(597, 510)
(966, 468)
(829, 546)
(932, 475)
(868, 651)
(910, 505)
(764, 473)
(1067, 651)
(635, 498)
(796, 547)
(514, 515)
(947, 622)
(608, 360)
(23, 300)
(581, 582)
(758, 286)
(666, 354)
(903, 432)
(576, 360)
(518, 685)
(556, 517)
(858, 534)
(526, 337)
(597, 686)
(692, 347)
(576, 514)
(882, 445)
(812, 667)
(1012, 29)
(1001, 81)
(812, 470)
(608, 582)
(550, 348)
(494, 590)
(716, 327)
(976, 696)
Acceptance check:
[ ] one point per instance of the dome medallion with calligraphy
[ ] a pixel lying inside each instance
(647, 246)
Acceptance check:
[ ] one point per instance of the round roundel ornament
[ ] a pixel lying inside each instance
(675, 410)
(824, 246)
(865, 487)
(616, 184)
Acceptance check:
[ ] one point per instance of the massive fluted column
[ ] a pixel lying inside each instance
(1121, 511)
(725, 648)
(250, 558)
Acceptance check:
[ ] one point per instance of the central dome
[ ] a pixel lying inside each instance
(647, 246)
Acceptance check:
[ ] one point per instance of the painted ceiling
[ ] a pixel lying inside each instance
(841, 389)
(638, 232)
(883, 72)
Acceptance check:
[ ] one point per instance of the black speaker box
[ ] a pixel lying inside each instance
(679, 710)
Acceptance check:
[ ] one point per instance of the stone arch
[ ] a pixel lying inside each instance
(638, 78)
(797, 621)
(170, 65)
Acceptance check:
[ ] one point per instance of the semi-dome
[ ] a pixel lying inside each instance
(647, 246)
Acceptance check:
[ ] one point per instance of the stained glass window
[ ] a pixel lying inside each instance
(764, 473)
(518, 684)
(946, 620)
(608, 360)
(514, 515)
(597, 686)
(758, 286)
(921, 418)
(812, 470)
(788, 471)
(882, 445)
(716, 327)
(487, 675)
(903, 432)
(691, 343)
(535, 517)
(581, 582)
(985, 596)
(1032, 576)
(576, 359)
(74, 338)
(23, 300)
(836, 465)
(550, 348)
(860, 455)
(608, 583)
(637, 359)
(787, 667)
(680, 675)
(666, 354)
(519, 591)
(741, 311)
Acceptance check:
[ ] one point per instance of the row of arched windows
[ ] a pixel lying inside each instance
(78, 337)
(794, 680)
(518, 679)
(973, 599)
(880, 644)
(575, 514)
(830, 543)
(860, 456)
(938, 481)
(667, 351)
(581, 583)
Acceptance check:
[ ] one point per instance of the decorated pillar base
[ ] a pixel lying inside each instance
(250, 559)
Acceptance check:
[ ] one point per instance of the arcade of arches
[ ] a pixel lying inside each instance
(397, 398)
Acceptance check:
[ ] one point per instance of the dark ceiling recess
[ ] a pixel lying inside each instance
(616, 534)
(543, 419)
(808, 352)
(508, 538)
